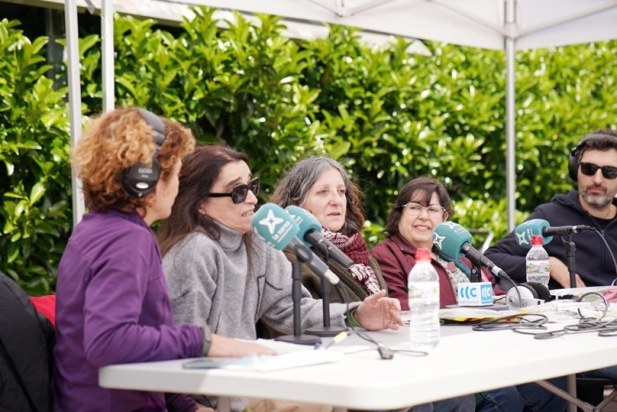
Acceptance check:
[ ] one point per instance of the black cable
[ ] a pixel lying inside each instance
(509, 322)
(541, 335)
(526, 324)
(518, 292)
(604, 311)
(610, 252)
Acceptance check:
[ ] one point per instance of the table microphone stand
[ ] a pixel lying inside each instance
(326, 329)
(570, 248)
(475, 273)
(296, 295)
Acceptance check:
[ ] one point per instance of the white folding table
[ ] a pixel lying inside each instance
(465, 362)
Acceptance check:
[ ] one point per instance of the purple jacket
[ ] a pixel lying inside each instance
(113, 307)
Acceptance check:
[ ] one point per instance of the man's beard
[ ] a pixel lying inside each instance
(596, 201)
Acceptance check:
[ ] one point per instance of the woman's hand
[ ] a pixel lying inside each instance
(378, 312)
(230, 347)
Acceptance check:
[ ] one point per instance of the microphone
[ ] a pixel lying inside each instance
(310, 233)
(454, 241)
(279, 230)
(541, 227)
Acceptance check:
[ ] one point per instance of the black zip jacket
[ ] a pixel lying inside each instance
(26, 342)
(593, 261)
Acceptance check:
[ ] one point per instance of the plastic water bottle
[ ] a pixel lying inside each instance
(537, 263)
(423, 289)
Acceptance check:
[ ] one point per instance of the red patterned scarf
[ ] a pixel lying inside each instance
(355, 247)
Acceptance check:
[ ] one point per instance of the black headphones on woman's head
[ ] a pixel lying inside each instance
(139, 180)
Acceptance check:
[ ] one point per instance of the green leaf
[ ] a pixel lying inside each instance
(38, 190)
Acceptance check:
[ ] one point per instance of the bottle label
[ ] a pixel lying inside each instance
(424, 291)
(537, 266)
(538, 271)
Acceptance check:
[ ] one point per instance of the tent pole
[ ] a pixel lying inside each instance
(72, 47)
(107, 36)
(510, 46)
(510, 133)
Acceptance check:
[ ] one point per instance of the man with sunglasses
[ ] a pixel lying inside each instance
(593, 165)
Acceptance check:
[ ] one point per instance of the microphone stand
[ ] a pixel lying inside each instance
(296, 295)
(570, 248)
(475, 273)
(327, 329)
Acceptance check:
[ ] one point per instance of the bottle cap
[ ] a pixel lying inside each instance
(537, 240)
(423, 254)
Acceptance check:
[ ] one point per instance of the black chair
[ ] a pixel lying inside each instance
(591, 390)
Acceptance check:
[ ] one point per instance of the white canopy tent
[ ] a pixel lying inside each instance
(507, 25)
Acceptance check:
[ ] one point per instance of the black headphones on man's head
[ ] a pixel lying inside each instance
(576, 151)
(139, 180)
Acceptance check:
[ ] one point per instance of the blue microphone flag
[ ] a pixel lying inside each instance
(449, 238)
(305, 221)
(274, 225)
(529, 228)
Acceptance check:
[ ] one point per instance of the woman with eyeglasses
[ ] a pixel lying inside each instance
(222, 275)
(421, 205)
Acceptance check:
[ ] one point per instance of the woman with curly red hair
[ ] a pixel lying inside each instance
(112, 297)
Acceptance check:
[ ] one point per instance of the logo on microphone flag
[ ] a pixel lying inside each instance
(271, 221)
(438, 240)
(523, 238)
(525, 231)
(277, 234)
(297, 218)
(274, 225)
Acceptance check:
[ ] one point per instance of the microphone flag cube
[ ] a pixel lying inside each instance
(274, 225)
(475, 294)
(529, 228)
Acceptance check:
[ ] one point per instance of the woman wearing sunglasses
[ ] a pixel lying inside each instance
(221, 274)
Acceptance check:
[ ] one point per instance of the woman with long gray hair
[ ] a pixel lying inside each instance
(321, 186)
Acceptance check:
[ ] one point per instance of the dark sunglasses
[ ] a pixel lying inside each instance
(238, 194)
(589, 169)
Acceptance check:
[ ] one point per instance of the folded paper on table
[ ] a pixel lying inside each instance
(472, 315)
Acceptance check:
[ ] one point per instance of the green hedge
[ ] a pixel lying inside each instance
(387, 115)
(36, 179)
